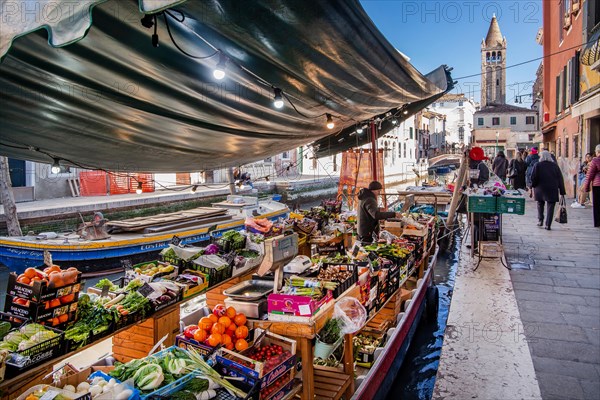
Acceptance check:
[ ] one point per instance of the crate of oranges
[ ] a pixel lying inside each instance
(265, 361)
(53, 312)
(225, 327)
(42, 285)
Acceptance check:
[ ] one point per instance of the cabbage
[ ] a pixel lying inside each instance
(211, 249)
(176, 366)
(25, 344)
(15, 337)
(149, 377)
(31, 329)
(42, 336)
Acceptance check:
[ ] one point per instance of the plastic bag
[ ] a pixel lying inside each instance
(387, 236)
(351, 313)
(298, 265)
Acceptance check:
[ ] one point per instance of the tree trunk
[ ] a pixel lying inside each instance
(8, 200)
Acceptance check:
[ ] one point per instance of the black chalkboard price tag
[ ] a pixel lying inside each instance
(126, 264)
(176, 240)
(104, 291)
(145, 290)
(355, 250)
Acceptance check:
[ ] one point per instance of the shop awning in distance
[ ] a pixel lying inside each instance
(107, 98)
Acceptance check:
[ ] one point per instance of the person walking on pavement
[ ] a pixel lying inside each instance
(532, 159)
(592, 182)
(500, 165)
(517, 168)
(547, 182)
(369, 214)
(583, 170)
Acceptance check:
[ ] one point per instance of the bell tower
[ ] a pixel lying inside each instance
(493, 66)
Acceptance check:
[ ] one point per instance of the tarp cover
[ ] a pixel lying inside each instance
(113, 101)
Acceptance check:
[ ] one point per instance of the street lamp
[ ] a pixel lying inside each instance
(497, 135)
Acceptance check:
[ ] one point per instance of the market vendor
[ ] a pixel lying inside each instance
(476, 158)
(369, 214)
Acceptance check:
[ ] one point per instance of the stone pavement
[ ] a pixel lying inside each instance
(558, 299)
(485, 354)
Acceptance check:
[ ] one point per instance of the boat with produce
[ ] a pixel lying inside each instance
(347, 315)
(135, 240)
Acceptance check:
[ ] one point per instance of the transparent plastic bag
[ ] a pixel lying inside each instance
(351, 313)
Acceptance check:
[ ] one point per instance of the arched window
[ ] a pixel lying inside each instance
(493, 56)
(487, 56)
(499, 56)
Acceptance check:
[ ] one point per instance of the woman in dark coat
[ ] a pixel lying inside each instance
(547, 182)
(517, 169)
(500, 165)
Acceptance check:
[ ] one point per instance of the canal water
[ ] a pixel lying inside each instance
(416, 378)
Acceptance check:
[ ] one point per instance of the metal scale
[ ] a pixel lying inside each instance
(250, 297)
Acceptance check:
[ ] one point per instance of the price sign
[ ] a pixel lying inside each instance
(145, 290)
(47, 258)
(372, 256)
(104, 291)
(126, 264)
(176, 240)
(355, 250)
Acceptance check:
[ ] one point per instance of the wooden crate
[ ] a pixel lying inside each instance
(138, 340)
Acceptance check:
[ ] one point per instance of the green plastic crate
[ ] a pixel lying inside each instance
(511, 205)
(482, 204)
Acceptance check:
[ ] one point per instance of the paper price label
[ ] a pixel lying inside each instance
(47, 258)
(126, 264)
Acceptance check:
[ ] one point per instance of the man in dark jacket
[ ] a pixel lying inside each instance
(369, 214)
(547, 182)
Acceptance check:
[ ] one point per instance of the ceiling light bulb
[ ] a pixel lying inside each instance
(219, 72)
(55, 166)
(359, 130)
(139, 188)
(394, 121)
(330, 123)
(405, 112)
(278, 99)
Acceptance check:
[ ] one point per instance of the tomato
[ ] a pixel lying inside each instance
(190, 330)
(55, 303)
(225, 321)
(240, 319)
(67, 299)
(218, 328)
(241, 332)
(241, 344)
(205, 323)
(21, 302)
(214, 340)
(55, 321)
(230, 312)
(220, 310)
(200, 335)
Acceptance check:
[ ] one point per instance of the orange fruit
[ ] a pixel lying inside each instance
(205, 323)
(225, 321)
(230, 346)
(240, 319)
(241, 333)
(30, 273)
(230, 312)
(218, 328)
(213, 318)
(200, 335)
(226, 339)
(24, 279)
(63, 318)
(241, 345)
(214, 340)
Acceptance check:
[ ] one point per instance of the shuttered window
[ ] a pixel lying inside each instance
(558, 94)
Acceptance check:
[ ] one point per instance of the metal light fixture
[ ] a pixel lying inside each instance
(147, 21)
(219, 71)
(330, 123)
(394, 121)
(278, 99)
(55, 169)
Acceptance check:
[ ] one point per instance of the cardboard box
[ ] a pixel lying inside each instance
(299, 306)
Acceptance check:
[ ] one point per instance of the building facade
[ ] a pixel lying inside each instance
(459, 111)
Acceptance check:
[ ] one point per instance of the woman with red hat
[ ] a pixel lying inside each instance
(476, 157)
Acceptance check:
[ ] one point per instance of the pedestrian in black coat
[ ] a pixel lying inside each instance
(500, 165)
(547, 182)
(369, 214)
(517, 170)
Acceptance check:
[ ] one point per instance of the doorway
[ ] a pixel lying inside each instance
(17, 172)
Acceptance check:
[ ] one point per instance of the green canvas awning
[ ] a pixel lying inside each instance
(111, 100)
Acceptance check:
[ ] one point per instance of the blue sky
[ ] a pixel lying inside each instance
(433, 32)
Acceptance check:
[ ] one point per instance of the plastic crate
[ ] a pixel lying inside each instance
(39, 290)
(348, 283)
(20, 361)
(99, 374)
(482, 204)
(71, 345)
(37, 311)
(511, 205)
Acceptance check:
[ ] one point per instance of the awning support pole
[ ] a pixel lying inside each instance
(373, 151)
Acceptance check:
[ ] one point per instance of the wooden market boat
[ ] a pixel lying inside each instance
(136, 240)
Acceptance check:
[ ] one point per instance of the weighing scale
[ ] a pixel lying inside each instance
(250, 297)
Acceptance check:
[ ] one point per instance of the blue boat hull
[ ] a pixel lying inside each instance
(108, 258)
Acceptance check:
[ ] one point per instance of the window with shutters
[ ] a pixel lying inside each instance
(558, 94)
(564, 87)
(576, 146)
(461, 133)
(513, 120)
(558, 148)
(410, 130)
(496, 121)
(566, 147)
(480, 121)
(530, 120)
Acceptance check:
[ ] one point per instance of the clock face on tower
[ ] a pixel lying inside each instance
(493, 66)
